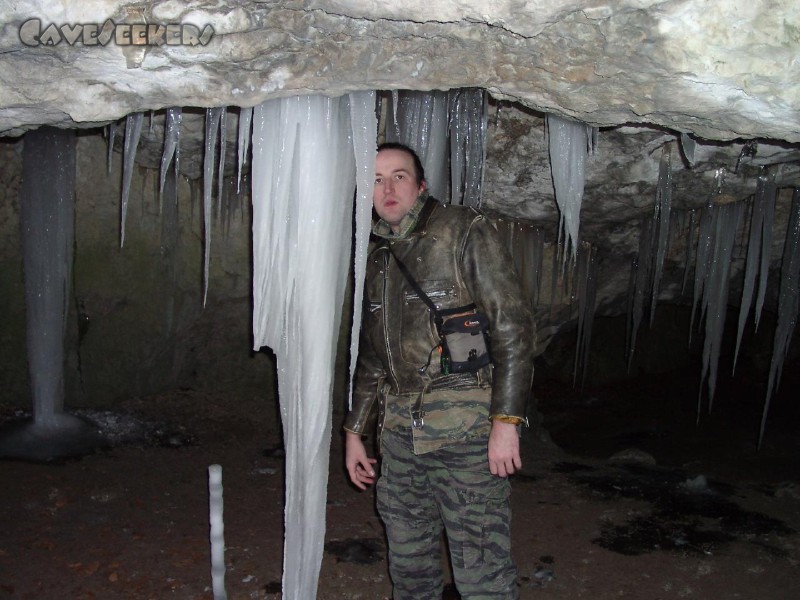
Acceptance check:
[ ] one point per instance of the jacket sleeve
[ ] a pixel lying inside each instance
(493, 283)
(368, 378)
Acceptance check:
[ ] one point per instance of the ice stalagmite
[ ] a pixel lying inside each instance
(365, 132)
(133, 130)
(725, 223)
(213, 116)
(245, 121)
(468, 114)
(303, 184)
(421, 122)
(788, 303)
(569, 144)
(172, 138)
(765, 195)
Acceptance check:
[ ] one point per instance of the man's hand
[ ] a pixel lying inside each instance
(504, 457)
(359, 466)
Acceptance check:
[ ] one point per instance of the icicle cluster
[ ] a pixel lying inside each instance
(723, 225)
(569, 143)
(303, 182)
(758, 255)
(648, 266)
(448, 131)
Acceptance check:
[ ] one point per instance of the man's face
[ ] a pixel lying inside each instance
(396, 188)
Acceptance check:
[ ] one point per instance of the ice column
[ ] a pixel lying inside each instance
(303, 187)
(47, 222)
(420, 120)
(788, 302)
(569, 144)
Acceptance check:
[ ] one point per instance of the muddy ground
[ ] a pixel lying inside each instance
(713, 518)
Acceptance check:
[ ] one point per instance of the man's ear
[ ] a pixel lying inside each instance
(423, 186)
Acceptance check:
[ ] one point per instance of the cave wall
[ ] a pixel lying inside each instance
(137, 324)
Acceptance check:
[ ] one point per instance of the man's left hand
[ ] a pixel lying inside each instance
(504, 459)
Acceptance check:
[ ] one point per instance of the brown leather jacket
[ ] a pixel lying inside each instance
(457, 258)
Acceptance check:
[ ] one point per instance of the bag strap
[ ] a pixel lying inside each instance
(437, 316)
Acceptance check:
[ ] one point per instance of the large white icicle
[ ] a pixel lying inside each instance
(365, 132)
(788, 304)
(569, 143)
(303, 182)
(133, 130)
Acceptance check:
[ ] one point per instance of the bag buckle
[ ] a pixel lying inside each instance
(417, 420)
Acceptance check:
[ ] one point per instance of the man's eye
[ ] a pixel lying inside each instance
(378, 180)
(399, 177)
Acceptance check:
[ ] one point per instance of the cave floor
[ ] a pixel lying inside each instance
(714, 519)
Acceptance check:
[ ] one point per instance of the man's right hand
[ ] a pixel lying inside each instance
(360, 467)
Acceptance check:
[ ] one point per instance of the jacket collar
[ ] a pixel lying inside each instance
(414, 223)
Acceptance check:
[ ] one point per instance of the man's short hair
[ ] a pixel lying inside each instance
(419, 170)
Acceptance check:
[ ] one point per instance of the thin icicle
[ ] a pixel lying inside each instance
(788, 302)
(223, 145)
(172, 140)
(112, 131)
(661, 218)
(587, 292)
(245, 121)
(703, 257)
(641, 278)
(752, 262)
(365, 132)
(212, 126)
(688, 254)
(569, 147)
(726, 220)
(770, 194)
(133, 130)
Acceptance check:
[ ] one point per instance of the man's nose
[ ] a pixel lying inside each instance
(388, 185)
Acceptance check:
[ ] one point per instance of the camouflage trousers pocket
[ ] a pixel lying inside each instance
(449, 417)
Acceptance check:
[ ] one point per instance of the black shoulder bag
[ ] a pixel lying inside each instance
(463, 331)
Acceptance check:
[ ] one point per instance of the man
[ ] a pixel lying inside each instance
(448, 441)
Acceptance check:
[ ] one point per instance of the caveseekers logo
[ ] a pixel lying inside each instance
(31, 33)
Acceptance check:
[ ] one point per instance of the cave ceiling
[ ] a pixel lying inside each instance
(644, 72)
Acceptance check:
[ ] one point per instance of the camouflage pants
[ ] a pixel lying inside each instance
(451, 488)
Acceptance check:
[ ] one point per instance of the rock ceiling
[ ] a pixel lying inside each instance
(643, 71)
